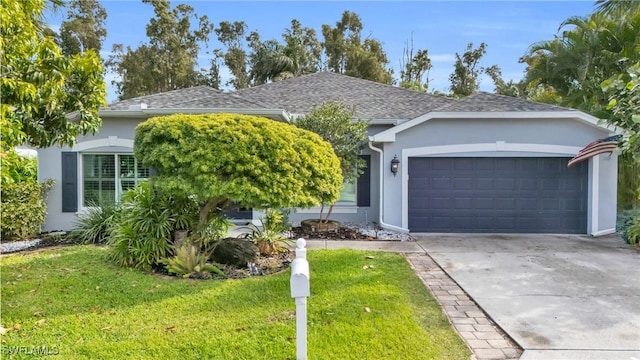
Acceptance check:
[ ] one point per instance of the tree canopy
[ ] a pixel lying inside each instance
(169, 60)
(623, 92)
(570, 68)
(252, 161)
(348, 54)
(464, 79)
(47, 98)
(84, 28)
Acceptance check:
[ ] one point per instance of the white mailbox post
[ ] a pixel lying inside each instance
(300, 290)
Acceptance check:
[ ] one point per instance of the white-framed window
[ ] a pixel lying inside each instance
(106, 177)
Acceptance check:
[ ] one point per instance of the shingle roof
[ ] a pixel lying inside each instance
(372, 100)
(194, 98)
(486, 102)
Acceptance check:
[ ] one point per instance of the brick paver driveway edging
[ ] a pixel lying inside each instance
(483, 336)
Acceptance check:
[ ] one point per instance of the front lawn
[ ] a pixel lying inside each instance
(73, 301)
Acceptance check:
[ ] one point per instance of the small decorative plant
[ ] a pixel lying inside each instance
(190, 261)
(269, 236)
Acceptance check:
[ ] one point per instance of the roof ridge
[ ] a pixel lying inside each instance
(333, 73)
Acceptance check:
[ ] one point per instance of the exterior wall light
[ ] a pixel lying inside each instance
(395, 163)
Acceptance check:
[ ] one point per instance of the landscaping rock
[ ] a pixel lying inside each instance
(317, 225)
(235, 252)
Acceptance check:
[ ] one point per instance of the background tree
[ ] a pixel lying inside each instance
(464, 79)
(347, 54)
(610, 7)
(272, 60)
(508, 88)
(570, 69)
(268, 60)
(337, 124)
(252, 161)
(169, 60)
(303, 48)
(623, 92)
(235, 58)
(84, 28)
(414, 73)
(589, 51)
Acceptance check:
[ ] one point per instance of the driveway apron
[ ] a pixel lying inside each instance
(557, 296)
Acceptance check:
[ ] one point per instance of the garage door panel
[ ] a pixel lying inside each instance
(484, 164)
(505, 184)
(484, 203)
(505, 223)
(506, 203)
(497, 195)
(441, 183)
(463, 183)
(463, 164)
(463, 203)
(484, 183)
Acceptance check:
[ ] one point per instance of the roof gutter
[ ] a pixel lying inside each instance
(381, 197)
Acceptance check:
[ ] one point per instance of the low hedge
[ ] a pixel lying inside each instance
(23, 208)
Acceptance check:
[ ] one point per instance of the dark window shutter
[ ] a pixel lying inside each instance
(364, 183)
(69, 181)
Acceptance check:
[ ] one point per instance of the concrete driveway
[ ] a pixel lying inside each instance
(558, 297)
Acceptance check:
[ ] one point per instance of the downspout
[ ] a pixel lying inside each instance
(381, 195)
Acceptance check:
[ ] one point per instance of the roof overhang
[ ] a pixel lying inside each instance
(390, 134)
(275, 114)
(394, 122)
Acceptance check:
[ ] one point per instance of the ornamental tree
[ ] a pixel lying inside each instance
(337, 124)
(249, 160)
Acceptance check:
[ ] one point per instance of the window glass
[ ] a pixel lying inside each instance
(106, 177)
(348, 193)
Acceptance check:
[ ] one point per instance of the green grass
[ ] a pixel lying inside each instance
(72, 300)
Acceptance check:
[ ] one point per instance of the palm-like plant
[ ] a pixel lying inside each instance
(574, 63)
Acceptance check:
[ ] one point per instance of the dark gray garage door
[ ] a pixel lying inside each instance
(501, 195)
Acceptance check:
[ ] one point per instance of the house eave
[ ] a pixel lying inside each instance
(275, 114)
(390, 134)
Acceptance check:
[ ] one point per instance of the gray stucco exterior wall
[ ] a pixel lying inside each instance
(113, 134)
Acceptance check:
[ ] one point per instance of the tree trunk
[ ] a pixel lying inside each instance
(206, 209)
(326, 220)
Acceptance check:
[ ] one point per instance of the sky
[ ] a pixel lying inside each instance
(442, 27)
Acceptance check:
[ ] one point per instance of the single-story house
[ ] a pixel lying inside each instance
(483, 163)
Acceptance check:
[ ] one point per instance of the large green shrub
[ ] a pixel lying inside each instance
(92, 226)
(23, 208)
(142, 234)
(629, 225)
(252, 161)
(16, 168)
(628, 182)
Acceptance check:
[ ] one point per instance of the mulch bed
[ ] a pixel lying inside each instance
(343, 233)
(265, 265)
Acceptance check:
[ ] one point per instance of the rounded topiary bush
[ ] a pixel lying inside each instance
(249, 160)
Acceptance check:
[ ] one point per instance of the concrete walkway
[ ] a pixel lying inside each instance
(555, 297)
(483, 337)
